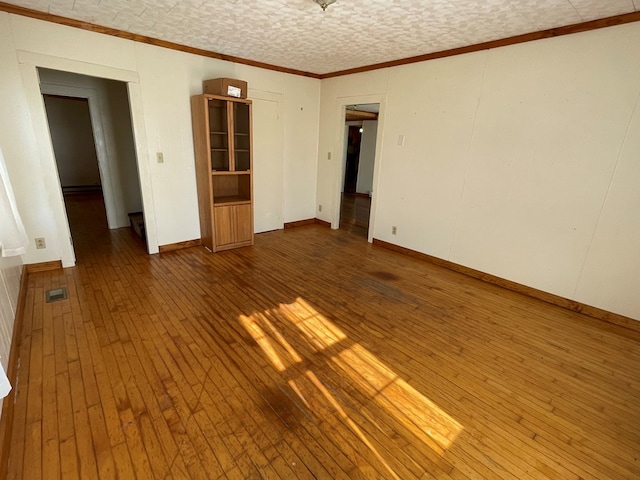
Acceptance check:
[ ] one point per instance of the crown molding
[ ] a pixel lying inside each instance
(114, 32)
(503, 42)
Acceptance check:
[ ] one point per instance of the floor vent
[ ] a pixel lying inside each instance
(56, 294)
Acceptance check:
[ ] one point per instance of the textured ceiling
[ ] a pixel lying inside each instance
(351, 33)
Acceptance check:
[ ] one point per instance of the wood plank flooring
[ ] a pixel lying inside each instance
(354, 214)
(311, 355)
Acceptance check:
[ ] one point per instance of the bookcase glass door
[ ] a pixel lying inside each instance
(241, 134)
(219, 135)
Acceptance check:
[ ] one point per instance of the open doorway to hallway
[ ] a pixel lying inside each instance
(91, 132)
(361, 129)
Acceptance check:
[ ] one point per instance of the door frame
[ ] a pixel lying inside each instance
(98, 138)
(29, 62)
(339, 146)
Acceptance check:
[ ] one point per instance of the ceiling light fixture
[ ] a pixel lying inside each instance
(324, 3)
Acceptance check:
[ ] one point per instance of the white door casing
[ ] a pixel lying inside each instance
(339, 146)
(268, 162)
(29, 63)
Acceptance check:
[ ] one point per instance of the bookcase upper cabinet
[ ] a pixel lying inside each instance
(224, 160)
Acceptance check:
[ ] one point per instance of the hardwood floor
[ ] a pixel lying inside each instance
(89, 230)
(354, 214)
(272, 362)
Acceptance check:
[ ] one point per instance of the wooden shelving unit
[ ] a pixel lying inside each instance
(224, 157)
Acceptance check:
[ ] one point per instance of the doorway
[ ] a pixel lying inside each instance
(361, 128)
(91, 132)
(74, 148)
(268, 163)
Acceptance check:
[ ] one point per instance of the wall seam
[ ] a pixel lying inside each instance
(606, 196)
(468, 159)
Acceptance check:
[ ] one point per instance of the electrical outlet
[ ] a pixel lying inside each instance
(394, 230)
(40, 243)
(328, 155)
(160, 157)
(319, 208)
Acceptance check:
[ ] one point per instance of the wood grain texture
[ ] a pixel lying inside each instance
(43, 266)
(204, 182)
(170, 247)
(355, 209)
(225, 199)
(300, 223)
(356, 115)
(557, 300)
(312, 354)
(322, 223)
(304, 223)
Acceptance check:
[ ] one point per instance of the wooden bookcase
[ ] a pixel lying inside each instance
(223, 145)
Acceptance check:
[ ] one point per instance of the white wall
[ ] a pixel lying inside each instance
(20, 147)
(168, 78)
(124, 152)
(367, 156)
(160, 82)
(72, 138)
(520, 161)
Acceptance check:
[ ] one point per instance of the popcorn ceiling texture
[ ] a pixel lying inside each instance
(351, 33)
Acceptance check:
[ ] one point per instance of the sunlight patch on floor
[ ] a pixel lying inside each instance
(416, 412)
(316, 327)
(252, 326)
(353, 425)
(360, 372)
